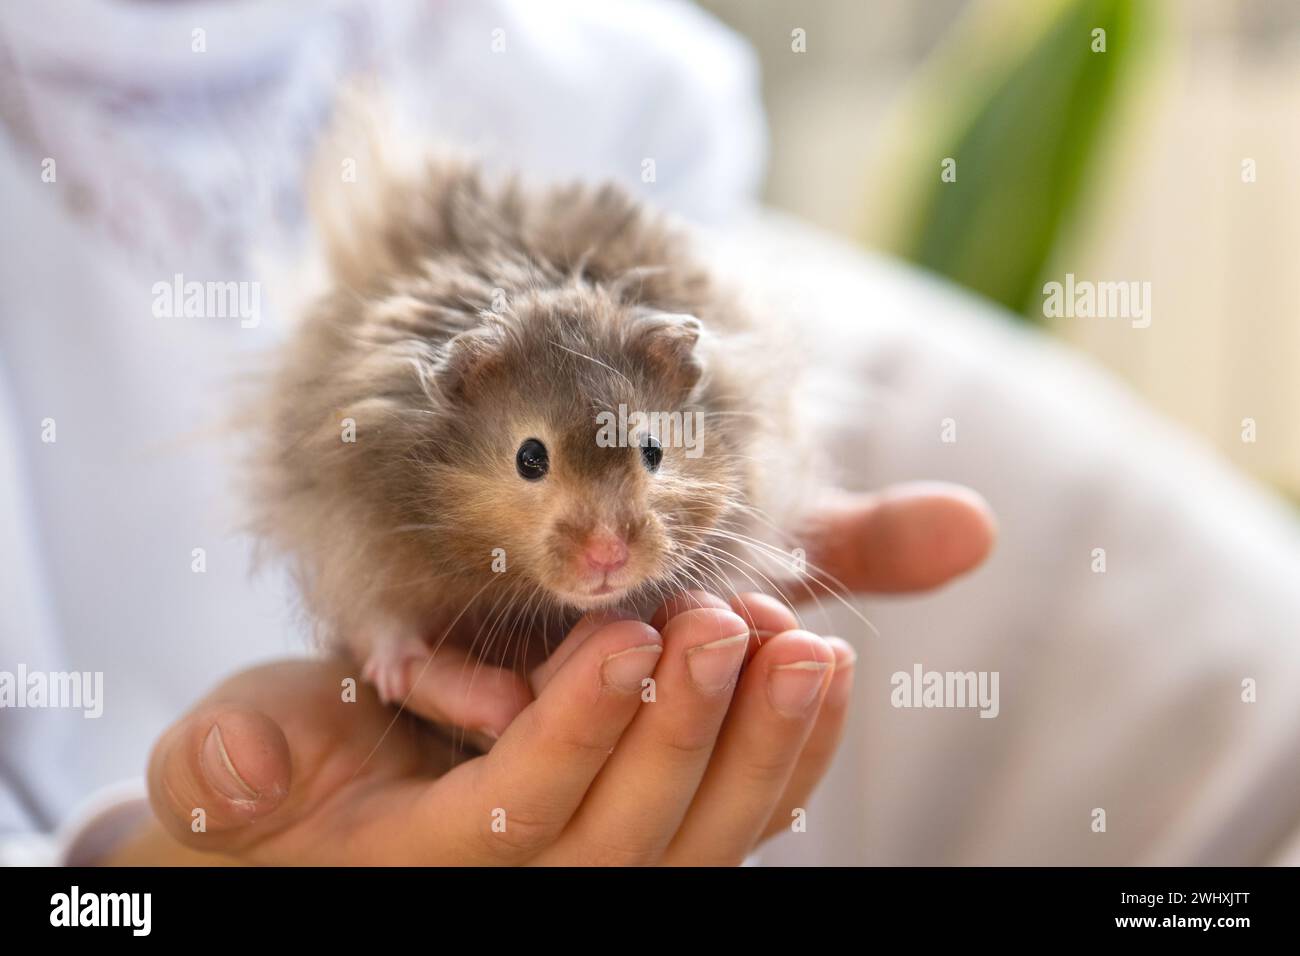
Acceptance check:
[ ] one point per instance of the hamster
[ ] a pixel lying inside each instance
(512, 405)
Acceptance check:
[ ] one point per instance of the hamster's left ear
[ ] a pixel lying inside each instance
(666, 343)
(471, 361)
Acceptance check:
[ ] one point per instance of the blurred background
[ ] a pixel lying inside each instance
(1167, 157)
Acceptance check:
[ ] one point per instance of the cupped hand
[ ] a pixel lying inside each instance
(643, 745)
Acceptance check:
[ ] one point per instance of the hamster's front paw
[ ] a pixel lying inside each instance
(388, 666)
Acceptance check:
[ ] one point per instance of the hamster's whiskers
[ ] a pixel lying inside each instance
(771, 551)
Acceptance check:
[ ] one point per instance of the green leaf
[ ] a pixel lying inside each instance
(1030, 132)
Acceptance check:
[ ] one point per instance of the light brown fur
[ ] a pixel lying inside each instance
(469, 316)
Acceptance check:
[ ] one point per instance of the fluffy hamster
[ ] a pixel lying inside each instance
(467, 428)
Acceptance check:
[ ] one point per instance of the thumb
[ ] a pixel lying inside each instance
(909, 537)
(215, 773)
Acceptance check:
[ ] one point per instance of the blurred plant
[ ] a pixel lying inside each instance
(1019, 97)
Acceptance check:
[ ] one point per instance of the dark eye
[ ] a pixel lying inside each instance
(652, 453)
(532, 460)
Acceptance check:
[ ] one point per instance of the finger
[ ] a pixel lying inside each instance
(774, 711)
(765, 615)
(822, 743)
(264, 751)
(639, 799)
(683, 602)
(216, 773)
(455, 688)
(586, 626)
(515, 801)
(907, 538)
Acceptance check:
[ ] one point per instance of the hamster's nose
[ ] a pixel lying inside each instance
(605, 553)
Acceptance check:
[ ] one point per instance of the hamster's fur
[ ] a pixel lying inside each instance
(465, 316)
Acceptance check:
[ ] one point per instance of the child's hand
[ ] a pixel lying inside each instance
(285, 771)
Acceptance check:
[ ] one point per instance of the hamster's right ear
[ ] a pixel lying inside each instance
(665, 342)
(470, 360)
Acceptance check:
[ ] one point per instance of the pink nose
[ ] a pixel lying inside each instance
(605, 553)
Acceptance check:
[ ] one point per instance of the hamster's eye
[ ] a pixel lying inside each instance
(532, 460)
(652, 453)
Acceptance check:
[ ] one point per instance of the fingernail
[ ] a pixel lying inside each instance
(842, 684)
(852, 654)
(219, 770)
(792, 687)
(714, 666)
(624, 671)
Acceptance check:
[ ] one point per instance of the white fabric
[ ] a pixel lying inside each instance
(170, 161)
(1119, 691)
